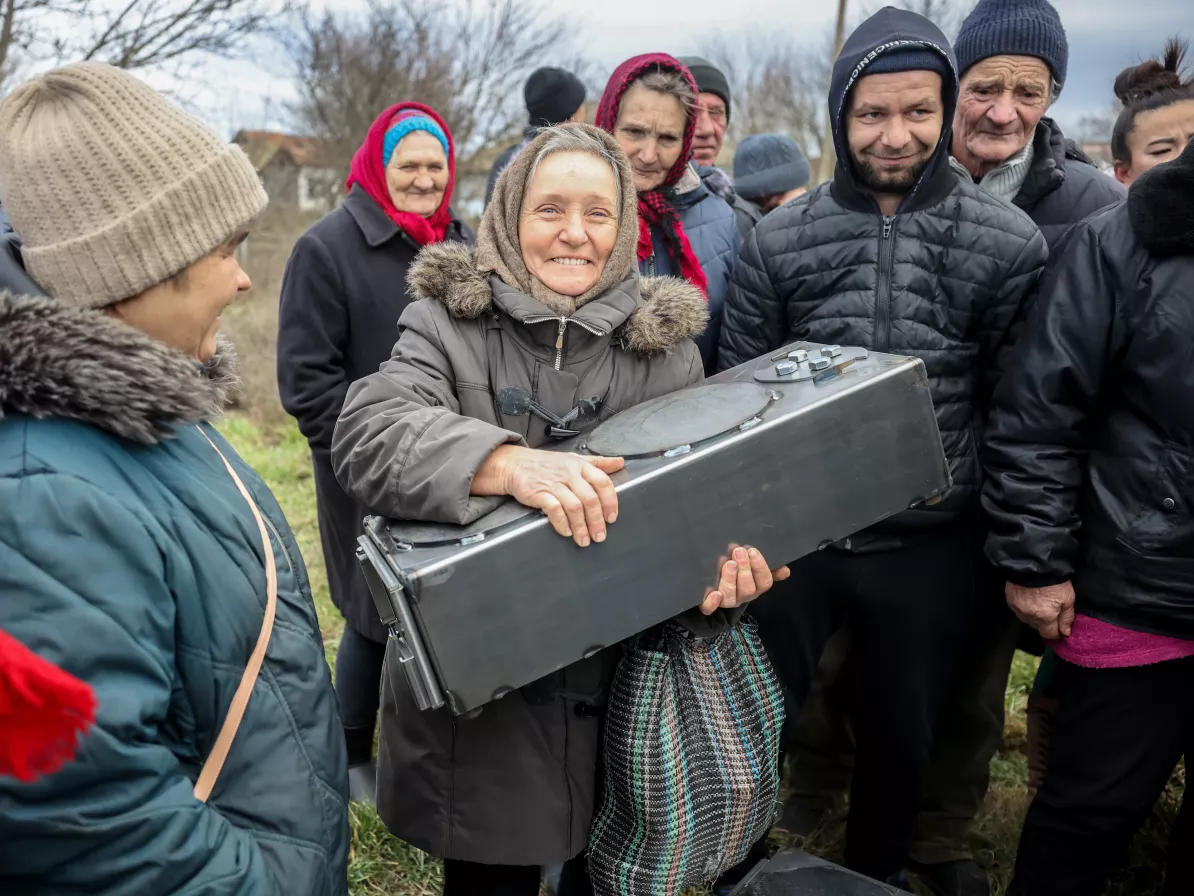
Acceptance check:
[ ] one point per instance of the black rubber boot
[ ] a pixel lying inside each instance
(362, 770)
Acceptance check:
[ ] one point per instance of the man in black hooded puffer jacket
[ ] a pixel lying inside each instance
(898, 254)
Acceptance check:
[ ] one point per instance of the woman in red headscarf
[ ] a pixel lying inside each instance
(344, 290)
(650, 107)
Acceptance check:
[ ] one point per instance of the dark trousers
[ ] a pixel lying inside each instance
(358, 680)
(472, 879)
(1117, 736)
(908, 610)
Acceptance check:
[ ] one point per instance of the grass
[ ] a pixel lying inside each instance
(381, 865)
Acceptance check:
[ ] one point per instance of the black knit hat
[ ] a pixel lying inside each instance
(708, 77)
(552, 95)
(1013, 28)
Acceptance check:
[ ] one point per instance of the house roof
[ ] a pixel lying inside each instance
(262, 147)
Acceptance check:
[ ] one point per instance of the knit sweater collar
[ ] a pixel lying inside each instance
(1006, 181)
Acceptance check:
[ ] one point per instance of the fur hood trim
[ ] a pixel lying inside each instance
(670, 310)
(60, 360)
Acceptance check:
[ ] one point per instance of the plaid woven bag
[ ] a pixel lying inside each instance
(692, 734)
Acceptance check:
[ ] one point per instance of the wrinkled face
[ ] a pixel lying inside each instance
(710, 133)
(569, 221)
(1000, 104)
(417, 175)
(892, 127)
(1158, 136)
(185, 312)
(650, 130)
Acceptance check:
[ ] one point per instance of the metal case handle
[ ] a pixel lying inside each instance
(390, 600)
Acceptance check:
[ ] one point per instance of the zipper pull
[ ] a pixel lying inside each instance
(560, 335)
(888, 220)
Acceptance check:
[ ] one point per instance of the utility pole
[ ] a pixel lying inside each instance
(828, 156)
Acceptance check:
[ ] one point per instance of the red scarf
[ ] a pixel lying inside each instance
(653, 207)
(369, 170)
(43, 710)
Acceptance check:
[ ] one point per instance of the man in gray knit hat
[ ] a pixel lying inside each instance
(769, 170)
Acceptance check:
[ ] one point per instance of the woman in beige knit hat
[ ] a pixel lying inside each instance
(137, 551)
(549, 302)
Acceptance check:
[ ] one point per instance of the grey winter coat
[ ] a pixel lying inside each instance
(514, 785)
(945, 279)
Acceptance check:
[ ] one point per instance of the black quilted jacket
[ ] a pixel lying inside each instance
(944, 279)
(1091, 447)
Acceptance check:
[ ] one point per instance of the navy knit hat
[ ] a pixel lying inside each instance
(908, 59)
(1013, 28)
(767, 165)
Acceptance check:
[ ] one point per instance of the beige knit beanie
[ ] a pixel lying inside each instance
(111, 188)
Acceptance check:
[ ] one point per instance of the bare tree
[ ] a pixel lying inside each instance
(467, 62)
(132, 34)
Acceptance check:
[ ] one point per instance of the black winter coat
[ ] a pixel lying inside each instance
(1091, 445)
(944, 279)
(342, 295)
(1063, 186)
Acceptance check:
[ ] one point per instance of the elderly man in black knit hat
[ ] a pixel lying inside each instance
(553, 96)
(715, 105)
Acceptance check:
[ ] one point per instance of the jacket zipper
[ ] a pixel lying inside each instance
(563, 326)
(883, 288)
(651, 265)
(560, 342)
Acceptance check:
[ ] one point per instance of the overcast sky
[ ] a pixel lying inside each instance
(1104, 36)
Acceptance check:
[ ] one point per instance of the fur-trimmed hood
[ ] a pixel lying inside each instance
(669, 310)
(59, 360)
(1161, 206)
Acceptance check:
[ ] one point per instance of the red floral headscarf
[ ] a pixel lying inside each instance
(653, 207)
(369, 170)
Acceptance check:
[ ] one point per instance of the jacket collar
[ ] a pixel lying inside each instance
(59, 360)
(1047, 172)
(650, 314)
(375, 224)
(1161, 206)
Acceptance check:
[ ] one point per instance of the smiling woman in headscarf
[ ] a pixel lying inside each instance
(650, 107)
(344, 290)
(549, 303)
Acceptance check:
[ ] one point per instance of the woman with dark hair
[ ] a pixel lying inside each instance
(650, 106)
(344, 290)
(1090, 496)
(1158, 115)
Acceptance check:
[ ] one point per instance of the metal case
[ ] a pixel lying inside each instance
(798, 458)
